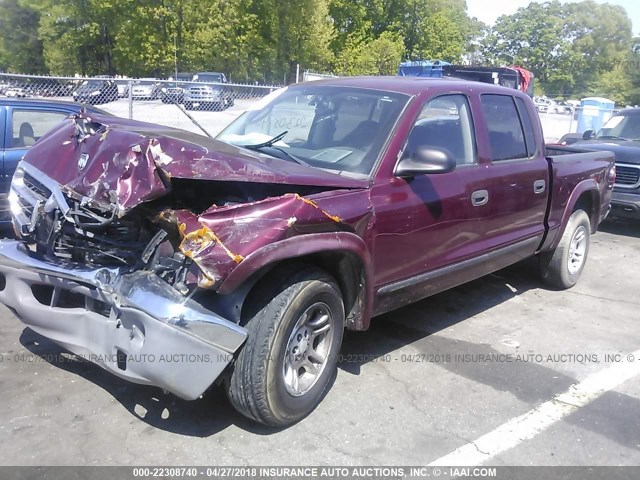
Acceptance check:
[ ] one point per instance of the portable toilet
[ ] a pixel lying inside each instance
(593, 113)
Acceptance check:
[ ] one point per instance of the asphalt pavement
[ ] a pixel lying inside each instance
(423, 382)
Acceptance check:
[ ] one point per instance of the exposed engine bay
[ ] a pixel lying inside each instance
(148, 237)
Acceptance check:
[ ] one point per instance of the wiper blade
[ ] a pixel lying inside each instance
(271, 144)
(268, 143)
(290, 156)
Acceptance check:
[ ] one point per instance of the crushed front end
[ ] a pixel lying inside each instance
(125, 232)
(113, 290)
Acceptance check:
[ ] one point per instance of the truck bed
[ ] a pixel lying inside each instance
(573, 171)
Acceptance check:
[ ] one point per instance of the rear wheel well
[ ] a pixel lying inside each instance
(588, 201)
(345, 267)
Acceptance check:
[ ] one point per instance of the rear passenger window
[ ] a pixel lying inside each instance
(506, 137)
(527, 126)
(30, 125)
(445, 123)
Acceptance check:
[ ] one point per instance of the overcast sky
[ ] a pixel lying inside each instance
(489, 10)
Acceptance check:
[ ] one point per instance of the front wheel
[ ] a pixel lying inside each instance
(562, 267)
(295, 326)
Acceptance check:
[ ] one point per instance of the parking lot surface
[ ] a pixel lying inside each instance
(422, 382)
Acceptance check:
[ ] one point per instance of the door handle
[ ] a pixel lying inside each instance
(479, 198)
(539, 186)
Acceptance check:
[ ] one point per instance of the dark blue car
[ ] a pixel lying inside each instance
(22, 123)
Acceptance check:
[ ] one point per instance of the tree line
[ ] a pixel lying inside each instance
(574, 49)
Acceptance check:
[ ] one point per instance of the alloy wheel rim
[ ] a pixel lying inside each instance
(308, 348)
(577, 249)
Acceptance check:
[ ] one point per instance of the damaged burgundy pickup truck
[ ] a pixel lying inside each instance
(179, 261)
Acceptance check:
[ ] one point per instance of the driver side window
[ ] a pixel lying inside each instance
(445, 123)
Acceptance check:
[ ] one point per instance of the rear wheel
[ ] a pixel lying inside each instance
(296, 323)
(562, 267)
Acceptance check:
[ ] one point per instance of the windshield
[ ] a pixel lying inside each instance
(92, 83)
(625, 127)
(331, 127)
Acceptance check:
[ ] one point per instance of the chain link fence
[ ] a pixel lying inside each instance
(200, 106)
(184, 103)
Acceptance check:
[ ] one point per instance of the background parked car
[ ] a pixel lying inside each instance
(174, 92)
(208, 92)
(95, 92)
(146, 89)
(123, 88)
(15, 91)
(49, 88)
(560, 107)
(541, 106)
(620, 135)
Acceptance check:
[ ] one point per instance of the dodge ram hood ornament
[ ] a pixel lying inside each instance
(82, 161)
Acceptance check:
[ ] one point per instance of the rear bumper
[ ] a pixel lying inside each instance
(134, 324)
(625, 205)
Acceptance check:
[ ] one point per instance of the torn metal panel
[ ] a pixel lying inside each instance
(221, 237)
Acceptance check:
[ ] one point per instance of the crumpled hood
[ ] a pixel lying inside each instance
(122, 162)
(626, 151)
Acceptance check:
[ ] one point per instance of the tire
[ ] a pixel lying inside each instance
(562, 267)
(266, 384)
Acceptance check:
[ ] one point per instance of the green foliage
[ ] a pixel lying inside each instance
(143, 38)
(632, 67)
(20, 45)
(574, 49)
(380, 56)
(443, 37)
(614, 84)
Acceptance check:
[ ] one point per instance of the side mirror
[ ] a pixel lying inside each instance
(588, 134)
(425, 160)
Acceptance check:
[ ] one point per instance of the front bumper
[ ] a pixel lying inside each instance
(625, 205)
(134, 325)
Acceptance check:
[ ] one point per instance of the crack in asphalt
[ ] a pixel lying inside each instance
(602, 298)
